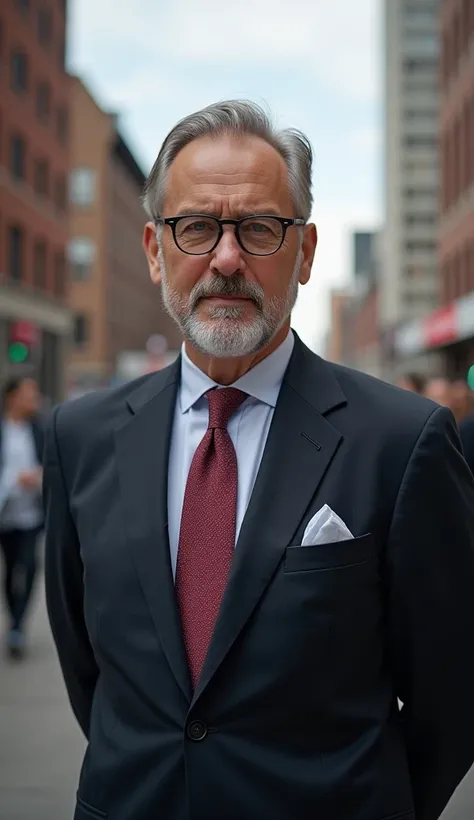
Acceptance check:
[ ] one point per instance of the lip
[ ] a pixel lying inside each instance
(227, 298)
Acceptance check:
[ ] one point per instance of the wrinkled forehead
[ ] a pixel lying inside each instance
(243, 174)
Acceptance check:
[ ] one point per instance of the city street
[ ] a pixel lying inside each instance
(41, 747)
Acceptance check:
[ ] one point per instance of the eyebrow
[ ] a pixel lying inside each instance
(189, 210)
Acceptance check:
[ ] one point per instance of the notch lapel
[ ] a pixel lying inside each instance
(300, 447)
(142, 448)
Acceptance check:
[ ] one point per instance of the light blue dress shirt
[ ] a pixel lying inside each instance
(248, 429)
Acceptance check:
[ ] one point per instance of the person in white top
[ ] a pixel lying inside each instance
(21, 518)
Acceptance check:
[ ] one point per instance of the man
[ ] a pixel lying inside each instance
(413, 382)
(440, 390)
(218, 668)
(462, 405)
(21, 518)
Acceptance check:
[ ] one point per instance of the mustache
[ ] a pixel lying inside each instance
(220, 285)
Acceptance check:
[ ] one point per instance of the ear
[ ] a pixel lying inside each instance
(150, 246)
(310, 240)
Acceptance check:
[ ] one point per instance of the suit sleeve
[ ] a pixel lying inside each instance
(64, 586)
(430, 576)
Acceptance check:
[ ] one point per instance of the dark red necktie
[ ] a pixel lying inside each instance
(207, 533)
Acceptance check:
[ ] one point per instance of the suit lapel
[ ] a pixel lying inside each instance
(300, 447)
(142, 447)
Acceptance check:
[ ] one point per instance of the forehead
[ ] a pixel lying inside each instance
(228, 173)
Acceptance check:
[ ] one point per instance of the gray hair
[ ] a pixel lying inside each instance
(239, 117)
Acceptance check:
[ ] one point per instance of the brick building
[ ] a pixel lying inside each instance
(35, 323)
(336, 347)
(116, 308)
(457, 141)
(448, 332)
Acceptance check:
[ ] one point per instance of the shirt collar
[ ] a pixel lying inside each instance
(262, 382)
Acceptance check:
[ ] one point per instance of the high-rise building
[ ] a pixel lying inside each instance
(408, 276)
(116, 308)
(35, 323)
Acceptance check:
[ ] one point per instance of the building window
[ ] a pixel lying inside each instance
(420, 85)
(59, 274)
(45, 26)
(427, 115)
(39, 264)
(421, 193)
(412, 141)
(418, 272)
(427, 66)
(18, 157)
(42, 177)
(19, 71)
(81, 256)
(82, 187)
(420, 245)
(16, 240)
(62, 125)
(43, 102)
(81, 330)
(420, 220)
(60, 192)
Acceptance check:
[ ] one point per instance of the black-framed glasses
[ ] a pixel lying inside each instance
(259, 235)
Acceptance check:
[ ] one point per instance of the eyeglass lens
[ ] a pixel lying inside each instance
(259, 235)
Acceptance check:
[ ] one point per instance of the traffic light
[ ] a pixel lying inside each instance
(470, 377)
(18, 353)
(23, 342)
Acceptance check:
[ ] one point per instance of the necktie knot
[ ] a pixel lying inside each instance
(223, 403)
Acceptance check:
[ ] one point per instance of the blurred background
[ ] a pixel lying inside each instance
(383, 88)
(88, 90)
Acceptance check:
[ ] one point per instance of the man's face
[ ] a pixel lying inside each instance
(439, 390)
(229, 302)
(26, 400)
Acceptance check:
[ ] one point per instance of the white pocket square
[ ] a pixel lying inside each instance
(325, 528)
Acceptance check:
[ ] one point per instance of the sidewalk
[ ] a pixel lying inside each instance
(41, 747)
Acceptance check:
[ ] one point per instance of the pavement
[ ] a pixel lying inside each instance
(41, 747)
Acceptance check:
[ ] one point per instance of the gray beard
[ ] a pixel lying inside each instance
(225, 334)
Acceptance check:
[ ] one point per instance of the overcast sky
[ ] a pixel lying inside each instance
(316, 63)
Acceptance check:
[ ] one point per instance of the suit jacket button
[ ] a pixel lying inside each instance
(197, 730)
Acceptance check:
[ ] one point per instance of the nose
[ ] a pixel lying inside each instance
(227, 257)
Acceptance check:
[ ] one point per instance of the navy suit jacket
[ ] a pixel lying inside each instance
(295, 716)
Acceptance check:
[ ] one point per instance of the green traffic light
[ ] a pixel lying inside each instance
(470, 377)
(18, 353)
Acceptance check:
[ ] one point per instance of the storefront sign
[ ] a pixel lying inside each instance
(440, 328)
(445, 326)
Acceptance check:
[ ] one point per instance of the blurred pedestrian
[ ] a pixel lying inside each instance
(414, 382)
(21, 518)
(440, 390)
(252, 553)
(466, 431)
(462, 400)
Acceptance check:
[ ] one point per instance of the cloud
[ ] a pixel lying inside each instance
(316, 38)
